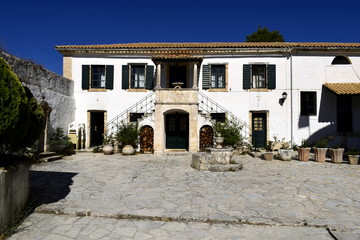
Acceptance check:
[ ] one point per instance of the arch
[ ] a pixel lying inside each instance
(176, 110)
(340, 60)
(206, 137)
(146, 139)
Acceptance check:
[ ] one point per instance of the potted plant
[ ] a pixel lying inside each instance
(336, 154)
(269, 154)
(353, 155)
(108, 144)
(285, 152)
(320, 149)
(127, 136)
(304, 151)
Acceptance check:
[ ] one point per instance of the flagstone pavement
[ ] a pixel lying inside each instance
(96, 196)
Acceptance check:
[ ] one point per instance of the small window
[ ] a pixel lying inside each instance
(340, 60)
(98, 79)
(135, 116)
(137, 76)
(217, 76)
(219, 117)
(258, 76)
(308, 103)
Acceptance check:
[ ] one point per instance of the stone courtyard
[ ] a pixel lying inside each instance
(96, 196)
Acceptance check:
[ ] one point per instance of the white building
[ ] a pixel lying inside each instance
(243, 82)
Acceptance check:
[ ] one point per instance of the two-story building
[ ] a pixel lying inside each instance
(289, 90)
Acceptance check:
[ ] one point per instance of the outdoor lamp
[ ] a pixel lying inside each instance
(282, 100)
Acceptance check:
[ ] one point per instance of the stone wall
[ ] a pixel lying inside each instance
(14, 192)
(45, 85)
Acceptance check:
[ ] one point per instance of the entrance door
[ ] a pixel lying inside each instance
(177, 131)
(344, 113)
(259, 130)
(96, 128)
(177, 74)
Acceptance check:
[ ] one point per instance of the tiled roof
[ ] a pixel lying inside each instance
(344, 88)
(212, 45)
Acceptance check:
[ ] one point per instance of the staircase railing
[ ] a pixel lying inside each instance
(208, 105)
(145, 105)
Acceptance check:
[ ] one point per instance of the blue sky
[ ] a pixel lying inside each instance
(31, 29)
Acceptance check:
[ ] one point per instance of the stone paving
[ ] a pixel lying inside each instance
(95, 196)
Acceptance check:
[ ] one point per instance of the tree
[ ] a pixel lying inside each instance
(21, 118)
(264, 35)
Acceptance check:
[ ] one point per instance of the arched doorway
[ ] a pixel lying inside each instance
(177, 130)
(146, 139)
(206, 137)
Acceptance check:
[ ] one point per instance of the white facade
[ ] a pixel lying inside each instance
(298, 69)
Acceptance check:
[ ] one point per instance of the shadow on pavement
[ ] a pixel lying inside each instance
(50, 187)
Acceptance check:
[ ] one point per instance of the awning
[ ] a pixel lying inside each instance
(344, 88)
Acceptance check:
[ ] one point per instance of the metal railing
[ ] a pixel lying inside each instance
(208, 105)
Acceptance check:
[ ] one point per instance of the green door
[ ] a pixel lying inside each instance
(177, 131)
(259, 130)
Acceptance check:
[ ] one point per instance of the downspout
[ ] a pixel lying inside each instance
(291, 100)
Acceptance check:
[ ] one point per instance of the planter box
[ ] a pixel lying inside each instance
(354, 159)
(268, 156)
(336, 155)
(304, 154)
(285, 154)
(320, 154)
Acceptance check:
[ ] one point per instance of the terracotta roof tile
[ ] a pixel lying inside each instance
(212, 45)
(344, 88)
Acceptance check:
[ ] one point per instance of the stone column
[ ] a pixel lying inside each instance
(158, 76)
(195, 77)
(46, 130)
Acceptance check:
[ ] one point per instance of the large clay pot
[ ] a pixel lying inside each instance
(285, 154)
(108, 149)
(336, 155)
(128, 150)
(304, 154)
(320, 154)
(354, 159)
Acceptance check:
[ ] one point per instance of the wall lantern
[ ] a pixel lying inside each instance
(282, 99)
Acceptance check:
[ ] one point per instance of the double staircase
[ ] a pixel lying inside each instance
(146, 107)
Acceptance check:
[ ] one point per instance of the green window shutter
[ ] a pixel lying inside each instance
(125, 76)
(149, 84)
(85, 76)
(246, 76)
(206, 77)
(109, 84)
(271, 68)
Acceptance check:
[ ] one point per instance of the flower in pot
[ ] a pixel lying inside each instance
(353, 155)
(320, 149)
(108, 144)
(229, 131)
(285, 152)
(304, 151)
(336, 153)
(127, 136)
(269, 154)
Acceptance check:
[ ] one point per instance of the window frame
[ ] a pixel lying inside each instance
(252, 75)
(304, 103)
(211, 66)
(91, 76)
(131, 80)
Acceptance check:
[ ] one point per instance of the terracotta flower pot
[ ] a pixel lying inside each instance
(354, 159)
(320, 154)
(336, 155)
(304, 154)
(268, 156)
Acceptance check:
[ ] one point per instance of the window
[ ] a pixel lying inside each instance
(135, 116)
(219, 117)
(340, 60)
(259, 76)
(217, 76)
(137, 76)
(97, 76)
(308, 103)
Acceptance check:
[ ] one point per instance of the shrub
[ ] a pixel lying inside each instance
(127, 134)
(60, 143)
(229, 131)
(21, 118)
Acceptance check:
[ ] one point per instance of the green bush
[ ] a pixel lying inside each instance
(60, 143)
(229, 131)
(127, 134)
(21, 118)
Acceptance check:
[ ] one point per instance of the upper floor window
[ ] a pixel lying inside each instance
(97, 76)
(340, 60)
(308, 103)
(137, 76)
(259, 76)
(214, 76)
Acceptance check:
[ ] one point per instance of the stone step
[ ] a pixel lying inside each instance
(46, 154)
(51, 158)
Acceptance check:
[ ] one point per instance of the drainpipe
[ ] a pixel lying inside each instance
(291, 101)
